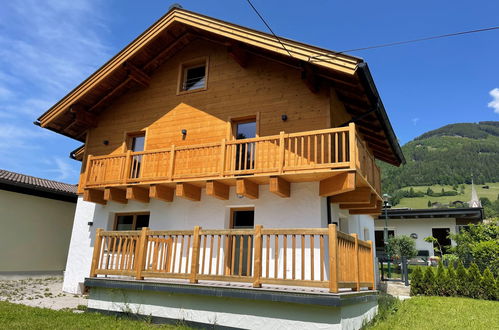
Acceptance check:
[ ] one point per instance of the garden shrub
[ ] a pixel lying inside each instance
(461, 279)
(474, 282)
(486, 255)
(452, 283)
(440, 285)
(488, 285)
(429, 282)
(402, 246)
(417, 282)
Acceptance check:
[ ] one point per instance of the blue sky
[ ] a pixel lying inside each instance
(47, 47)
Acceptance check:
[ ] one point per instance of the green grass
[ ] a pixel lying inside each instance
(422, 202)
(13, 316)
(437, 313)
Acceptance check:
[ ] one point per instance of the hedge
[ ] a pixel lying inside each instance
(450, 282)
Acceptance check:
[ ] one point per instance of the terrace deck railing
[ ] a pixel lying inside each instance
(312, 257)
(304, 152)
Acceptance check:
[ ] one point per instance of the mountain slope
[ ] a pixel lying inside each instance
(448, 156)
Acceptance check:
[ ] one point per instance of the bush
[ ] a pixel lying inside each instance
(452, 283)
(486, 255)
(440, 287)
(429, 282)
(461, 279)
(474, 284)
(402, 246)
(417, 282)
(489, 286)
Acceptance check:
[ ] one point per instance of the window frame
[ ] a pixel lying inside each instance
(128, 138)
(191, 64)
(234, 121)
(134, 223)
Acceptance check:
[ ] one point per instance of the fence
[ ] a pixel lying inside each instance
(316, 257)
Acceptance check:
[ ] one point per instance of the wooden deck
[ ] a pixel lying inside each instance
(309, 257)
(336, 157)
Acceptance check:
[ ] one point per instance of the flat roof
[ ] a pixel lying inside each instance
(472, 213)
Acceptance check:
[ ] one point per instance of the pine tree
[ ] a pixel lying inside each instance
(429, 203)
(452, 283)
(461, 279)
(488, 285)
(474, 282)
(440, 280)
(417, 282)
(429, 282)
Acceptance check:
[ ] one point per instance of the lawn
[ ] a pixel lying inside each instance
(440, 313)
(13, 316)
(422, 202)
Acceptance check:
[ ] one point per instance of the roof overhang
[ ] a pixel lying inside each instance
(131, 68)
(470, 213)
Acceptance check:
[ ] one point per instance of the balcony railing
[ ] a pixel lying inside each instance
(320, 150)
(315, 257)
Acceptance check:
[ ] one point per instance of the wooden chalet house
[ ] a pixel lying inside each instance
(217, 163)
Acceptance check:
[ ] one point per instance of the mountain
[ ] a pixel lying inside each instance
(447, 156)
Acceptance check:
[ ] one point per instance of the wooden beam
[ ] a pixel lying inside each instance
(137, 74)
(217, 190)
(371, 211)
(239, 55)
(372, 204)
(247, 188)
(188, 191)
(310, 78)
(360, 195)
(160, 57)
(161, 192)
(279, 186)
(115, 195)
(338, 184)
(138, 194)
(114, 93)
(94, 196)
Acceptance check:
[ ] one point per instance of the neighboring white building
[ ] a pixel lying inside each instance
(36, 217)
(421, 223)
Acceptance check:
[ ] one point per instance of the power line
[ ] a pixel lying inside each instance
(268, 26)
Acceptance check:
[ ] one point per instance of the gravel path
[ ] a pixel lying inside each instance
(40, 292)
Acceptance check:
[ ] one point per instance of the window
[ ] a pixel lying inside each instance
(193, 76)
(131, 221)
(244, 129)
(136, 143)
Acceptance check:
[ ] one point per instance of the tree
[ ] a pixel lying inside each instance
(429, 192)
(474, 282)
(488, 285)
(417, 282)
(429, 203)
(441, 280)
(452, 282)
(429, 282)
(436, 244)
(461, 280)
(402, 246)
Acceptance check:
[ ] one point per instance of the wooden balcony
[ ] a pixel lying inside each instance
(309, 257)
(336, 157)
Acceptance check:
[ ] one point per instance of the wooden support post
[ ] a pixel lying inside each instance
(370, 205)
(171, 169)
(141, 254)
(217, 190)
(356, 263)
(139, 194)
(195, 255)
(115, 195)
(128, 165)
(161, 192)
(370, 267)
(87, 170)
(333, 258)
(247, 188)
(222, 158)
(279, 186)
(360, 195)
(96, 256)
(257, 265)
(188, 191)
(338, 184)
(281, 152)
(352, 147)
(94, 196)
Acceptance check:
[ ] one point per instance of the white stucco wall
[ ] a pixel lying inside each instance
(35, 233)
(421, 227)
(232, 312)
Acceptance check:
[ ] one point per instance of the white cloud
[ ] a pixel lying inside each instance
(415, 121)
(494, 104)
(63, 169)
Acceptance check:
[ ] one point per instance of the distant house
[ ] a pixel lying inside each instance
(422, 223)
(36, 217)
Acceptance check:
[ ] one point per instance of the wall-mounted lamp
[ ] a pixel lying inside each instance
(414, 236)
(90, 223)
(284, 117)
(105, 142)
(240, 196)
(184, 134)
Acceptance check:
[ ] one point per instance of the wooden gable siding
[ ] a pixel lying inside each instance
(264, 87)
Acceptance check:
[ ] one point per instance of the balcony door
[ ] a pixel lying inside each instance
(243, 218)
(245, 151)
(136, 143)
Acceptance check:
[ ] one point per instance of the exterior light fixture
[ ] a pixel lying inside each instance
(284, 117)
(105, 142)
(414, 236)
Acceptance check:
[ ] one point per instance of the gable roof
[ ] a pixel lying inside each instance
(132, 66)
(31, 185)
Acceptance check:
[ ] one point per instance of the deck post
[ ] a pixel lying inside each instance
(356, 263)
(128, 164)
(257, 267)
(141, 253)
(333, 258)
(222, 158)
(171, 168)
(370, 267)
(96, 255)
(87, 171)
(281, 151)
(195, 255)
(352, 145)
